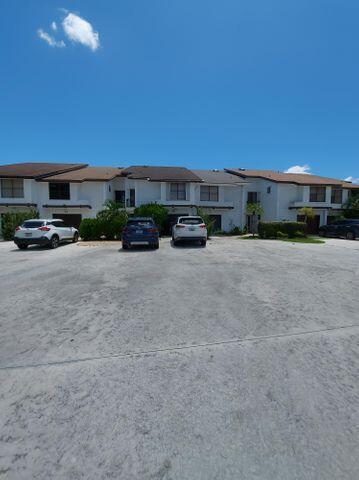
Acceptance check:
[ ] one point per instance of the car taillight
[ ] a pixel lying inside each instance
(125, 230)
(17, 229)
(202, 225)
(44, 229)
(152, 230)
(180, 226)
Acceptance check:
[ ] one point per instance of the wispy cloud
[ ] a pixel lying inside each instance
(79, 30)
(298, 169)
(54, 26)
(49, 39)
(352, 179)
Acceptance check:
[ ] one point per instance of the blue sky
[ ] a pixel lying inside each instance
(231, 83)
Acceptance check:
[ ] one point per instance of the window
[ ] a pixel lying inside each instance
(178, 191)
(317, 194)
(253, 197)
(132, 197)
(12, 188)
(269, 189)
(190, 220)
(337, 195)
(32, 224)
(120, 196)
(209, 194)
(59, 191)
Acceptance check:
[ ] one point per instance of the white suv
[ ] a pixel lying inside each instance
(189, 229)
(44, 232)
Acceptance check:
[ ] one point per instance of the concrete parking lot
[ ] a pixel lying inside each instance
(235, 361)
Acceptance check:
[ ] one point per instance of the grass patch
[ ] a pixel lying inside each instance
(290, 240)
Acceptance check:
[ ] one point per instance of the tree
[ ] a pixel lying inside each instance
(351, 207)
(209, 222)
(307, 213)
(254, 210)
(155, 210)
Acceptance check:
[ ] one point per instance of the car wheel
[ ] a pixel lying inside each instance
(350, 236)
(156, 246)
(203, 243)
(22, 246)
(75, 238)
(54, 243)
(124, 246)
(175, 242)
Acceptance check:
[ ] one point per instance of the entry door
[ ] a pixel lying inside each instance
(312, 223)
(217, 225)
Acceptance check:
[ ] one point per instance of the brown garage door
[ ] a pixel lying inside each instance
(70, 219)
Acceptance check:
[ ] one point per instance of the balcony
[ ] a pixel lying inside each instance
(302, 204)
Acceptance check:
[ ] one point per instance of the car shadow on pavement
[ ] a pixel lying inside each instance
(187, 245)
(136, 249)
(38, 248)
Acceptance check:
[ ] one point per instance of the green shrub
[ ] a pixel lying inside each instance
(235, 231)
(155, 210)
(89, 229)
(276, 229)
(11, 220)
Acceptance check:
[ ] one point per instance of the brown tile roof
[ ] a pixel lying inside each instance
(296, 178)
(36, 170)
(218, 177)
(161, 174)
(89, 174)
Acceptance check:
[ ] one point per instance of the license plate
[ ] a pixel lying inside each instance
(191, 229)
(139, 243)
(28, 234)
(138, 231)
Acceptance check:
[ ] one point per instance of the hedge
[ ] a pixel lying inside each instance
(102, 228)
(11, 220)
(280, 229)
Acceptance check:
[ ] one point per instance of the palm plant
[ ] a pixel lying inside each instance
(254, 210)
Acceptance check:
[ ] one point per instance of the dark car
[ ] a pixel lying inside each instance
(140, 231)
(348, 228)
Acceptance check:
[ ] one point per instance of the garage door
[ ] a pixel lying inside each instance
(70, 219)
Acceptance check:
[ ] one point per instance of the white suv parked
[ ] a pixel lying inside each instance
(44, 232)
(189, 228)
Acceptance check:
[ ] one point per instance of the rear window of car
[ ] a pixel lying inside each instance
(140, 223)
(191, 221)
(32, 224)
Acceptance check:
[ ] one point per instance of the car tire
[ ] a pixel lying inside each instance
(21, 246)
(350, 236)
(175, 242)
(54, 242)
(156, 246)
(124, 246)
(203, 243)
(75, 238)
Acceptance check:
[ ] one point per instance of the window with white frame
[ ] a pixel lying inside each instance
(12, 188)
(178, 191)
(209, 193)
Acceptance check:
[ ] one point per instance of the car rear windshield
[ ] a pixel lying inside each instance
(140, 223)
(32, 224)
(191, 221)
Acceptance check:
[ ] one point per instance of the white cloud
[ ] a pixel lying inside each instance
(79, 30)
(54, 26)
(49, 39)
(352, 179)
(298, 169)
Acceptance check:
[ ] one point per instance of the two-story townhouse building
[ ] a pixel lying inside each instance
(283, 194)
(76, 191)
(219, 193)
(19, 187)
